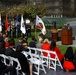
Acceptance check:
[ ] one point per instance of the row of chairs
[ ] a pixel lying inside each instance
(37, 58)
(50, 62)
(8, 60)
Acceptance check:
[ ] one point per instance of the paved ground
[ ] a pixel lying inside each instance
(73, 45)
(58, 72)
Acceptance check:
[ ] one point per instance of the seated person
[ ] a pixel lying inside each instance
(26, 68)
(54, 48)
(68, 60)
(45, 46)
(5, 69)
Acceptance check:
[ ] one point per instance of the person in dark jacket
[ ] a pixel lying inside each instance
(74, 60)
(68, 59)
(11, 48)
(22, 59)
(2, 48)
(33, 43)
(5, 69)
(19, 42)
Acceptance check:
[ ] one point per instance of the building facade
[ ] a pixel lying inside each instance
(53, 7)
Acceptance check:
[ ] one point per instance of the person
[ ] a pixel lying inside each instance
(6, 42)
(11, 48)
(25, 45)
(54, 23)
(22, 59)
(25, 39)
(54, 48)
(2, 48)
(13, 29)
(5, 69)
(69, 27)
(45, 46)
(18, 32)
(68, 60)
(19, 42)
(1, 37)
(28, 30)
(74, 60)
(33, 43)
(39, 44)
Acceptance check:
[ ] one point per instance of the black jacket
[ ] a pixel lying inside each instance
(23, 61)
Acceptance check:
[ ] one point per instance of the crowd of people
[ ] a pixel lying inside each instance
(14, 29)
(18, 50)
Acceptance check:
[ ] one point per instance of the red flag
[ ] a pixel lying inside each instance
(6, 24)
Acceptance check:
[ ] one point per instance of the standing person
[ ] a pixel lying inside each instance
(18, 32)
(53, 47)
(9, 31)
(28, 30)
(13, 28)
(69, 27)
(54, 23)
(1, 37)
(3, 28)
(68, 60)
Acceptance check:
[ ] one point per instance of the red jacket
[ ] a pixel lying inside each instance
(60, 56)
(45, 46)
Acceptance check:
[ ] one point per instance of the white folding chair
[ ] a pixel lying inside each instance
(5, 59)
(39, 52)
(36, 60)
(54, 62)
(18, 67)
(44, 59)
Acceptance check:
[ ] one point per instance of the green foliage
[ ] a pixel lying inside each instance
(29, 10)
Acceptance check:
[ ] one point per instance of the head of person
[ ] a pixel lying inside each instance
(21, 39)
(4, 35)
(40, 39)
(46, 41)
(33, 38)
(25, 45)
(1, 34)
(68, 24)
(6, 39)
(19, 48)
(53, 44)
(25, 37)
(69, 54)
(11, 42)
